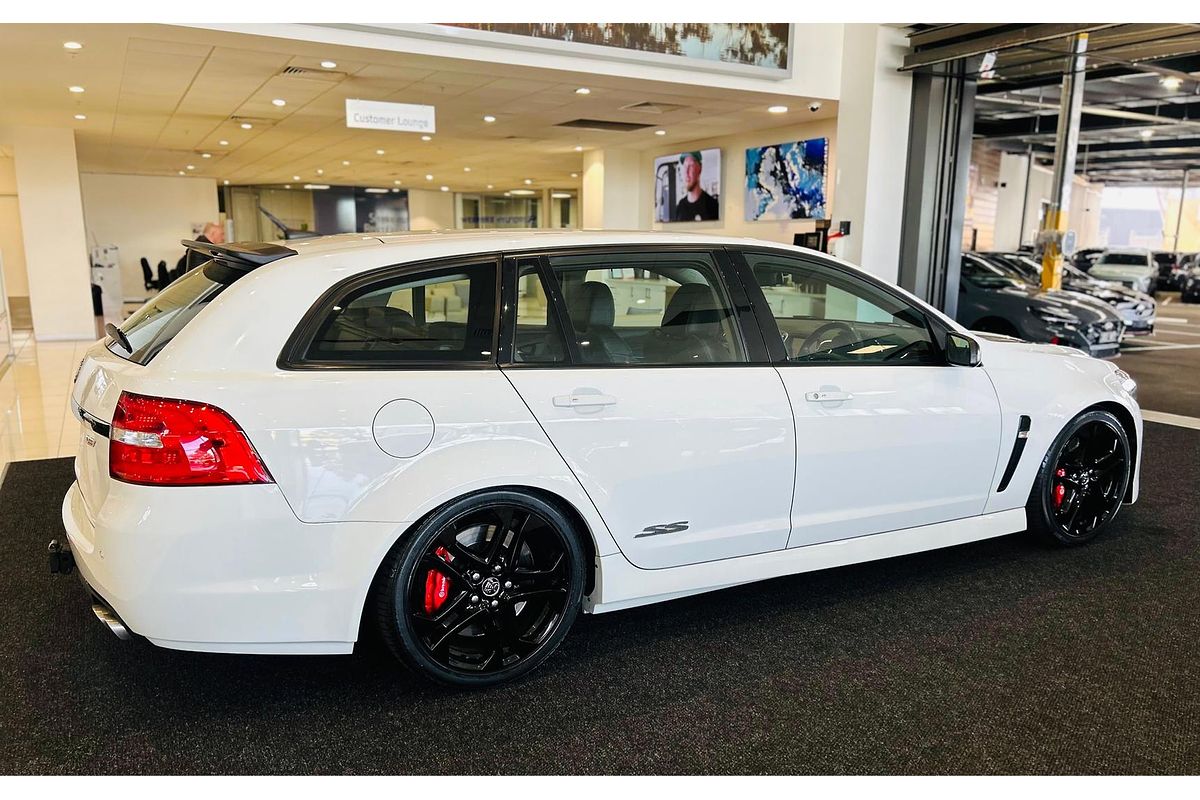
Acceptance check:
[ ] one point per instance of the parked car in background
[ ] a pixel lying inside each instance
(1170, 271)
(1136, 309)
(993, 298)
(1085, 258)
(1189, 291)
(1132, 267)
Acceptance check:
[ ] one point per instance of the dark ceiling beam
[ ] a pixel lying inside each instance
(978, 45)
(1189, 64)
(945, 34)
(1090, 123)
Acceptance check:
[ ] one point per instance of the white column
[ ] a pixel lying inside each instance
(56, 250)
(872, 147)
(611, 196)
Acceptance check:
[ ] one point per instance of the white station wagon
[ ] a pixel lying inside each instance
(464, 439)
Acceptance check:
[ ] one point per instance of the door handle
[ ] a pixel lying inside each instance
(828, 397)
(583, 400)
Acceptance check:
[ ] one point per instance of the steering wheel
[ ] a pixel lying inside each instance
(828, 338)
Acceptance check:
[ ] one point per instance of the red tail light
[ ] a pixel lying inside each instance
(165, 442)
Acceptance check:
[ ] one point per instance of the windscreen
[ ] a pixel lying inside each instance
(154, 325)
(1125, 259)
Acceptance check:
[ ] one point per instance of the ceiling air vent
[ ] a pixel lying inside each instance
(603, 125)
(329, 76)
(653, 108)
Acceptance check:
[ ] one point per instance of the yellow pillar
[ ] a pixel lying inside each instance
(1053, 230)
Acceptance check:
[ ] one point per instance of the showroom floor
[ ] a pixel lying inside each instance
(1000, 656)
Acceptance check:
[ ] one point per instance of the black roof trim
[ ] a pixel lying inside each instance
(246, 255)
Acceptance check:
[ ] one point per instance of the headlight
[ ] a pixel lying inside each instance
(1055, 315)
(1125, 381)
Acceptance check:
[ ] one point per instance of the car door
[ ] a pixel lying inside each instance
(671, 417)
(888, 434)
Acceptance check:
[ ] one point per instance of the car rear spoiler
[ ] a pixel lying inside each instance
(243, 256)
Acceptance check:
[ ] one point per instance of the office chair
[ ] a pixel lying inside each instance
(148, 276)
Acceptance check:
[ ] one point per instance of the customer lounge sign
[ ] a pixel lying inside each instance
(382, 116)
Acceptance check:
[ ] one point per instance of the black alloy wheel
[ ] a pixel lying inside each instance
(1083, 480)
(484, 590)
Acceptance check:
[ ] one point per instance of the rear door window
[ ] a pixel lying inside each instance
(154, 325)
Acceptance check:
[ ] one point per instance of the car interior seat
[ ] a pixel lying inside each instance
(693, 329)
(592, 316)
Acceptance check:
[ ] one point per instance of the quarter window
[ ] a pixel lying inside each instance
(828, 316)
(447, 314)
(649, 308)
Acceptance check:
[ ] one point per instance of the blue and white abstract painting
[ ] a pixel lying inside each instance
(786, 181)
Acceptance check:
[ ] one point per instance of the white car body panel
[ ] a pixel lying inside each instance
(286, 567)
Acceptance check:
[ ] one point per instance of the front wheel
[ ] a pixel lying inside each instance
(484, 590)
(1082, 480)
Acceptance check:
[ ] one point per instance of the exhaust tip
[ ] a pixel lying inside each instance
(112, 621)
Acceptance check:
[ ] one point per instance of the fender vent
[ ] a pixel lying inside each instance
(1018, 448)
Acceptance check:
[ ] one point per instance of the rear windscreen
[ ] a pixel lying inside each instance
(154, 325)
(1125, 259)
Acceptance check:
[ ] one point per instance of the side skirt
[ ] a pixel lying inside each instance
(621, 585)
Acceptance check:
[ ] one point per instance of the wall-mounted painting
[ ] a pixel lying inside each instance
(687, 186)
(787, 181)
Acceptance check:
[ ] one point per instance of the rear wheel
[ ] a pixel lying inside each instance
(1082, 481)
(484, 590)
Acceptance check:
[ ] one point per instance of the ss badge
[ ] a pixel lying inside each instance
(659, 530)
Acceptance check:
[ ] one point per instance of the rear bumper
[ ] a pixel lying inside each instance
(230, 570)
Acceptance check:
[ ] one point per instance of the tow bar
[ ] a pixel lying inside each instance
(62, 560)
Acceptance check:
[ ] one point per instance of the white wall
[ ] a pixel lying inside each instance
(733, 182)
(613, 189)
(12, 243)
(145, 216)
(1083, 214)
(429, 211)
(56, 251)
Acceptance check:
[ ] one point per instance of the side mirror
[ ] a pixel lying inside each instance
(962, 351)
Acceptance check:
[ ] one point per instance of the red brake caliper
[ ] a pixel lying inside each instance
(1059, 489)
(437, 585)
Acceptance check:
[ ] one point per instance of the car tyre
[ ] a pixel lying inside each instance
(1082, 481)
(483, 590)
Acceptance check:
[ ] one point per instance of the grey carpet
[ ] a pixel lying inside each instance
(998, 657)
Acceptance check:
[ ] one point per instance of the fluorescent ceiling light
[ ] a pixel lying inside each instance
(521, 192)
(316, 186)
(561, 195)
(373, 190)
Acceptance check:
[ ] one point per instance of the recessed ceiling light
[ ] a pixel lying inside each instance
(777, 109)
(396, 182)
(466, 169)
(316, 186)
(328, 64)
(428, 177)
(1147, 133)
(206, 155)
(246, 126)
(181, 172)
(295, 177)
(72, 45)
(81, 116)
(574, 174)
(528, 181)
(373, 190)
(345, 163)
(521, 192)
(660, 132)
(75, 89)
(560, 195)
(426, 138)
(578, 148)
(488, 118)
(445, 188)
(379, 152)
(287, 186)
(224, 143)
(583, 90)
(395, 189)
(226, 181)
(507, 194)
(490, 186)
(191, 166)
(279, 101)
(320, 172)
(1171, 82)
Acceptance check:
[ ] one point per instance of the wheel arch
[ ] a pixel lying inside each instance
(587, 537)
(1127, 421)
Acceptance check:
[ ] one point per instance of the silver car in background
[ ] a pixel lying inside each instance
(1134, 267)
